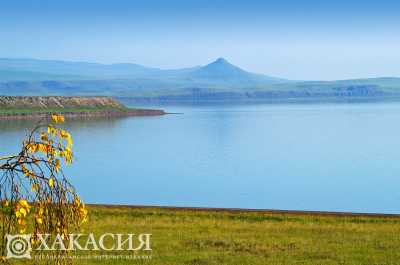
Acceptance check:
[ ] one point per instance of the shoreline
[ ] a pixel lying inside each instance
(247, 210)
(84, 114)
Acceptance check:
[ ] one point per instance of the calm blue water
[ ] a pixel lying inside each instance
(332, 157)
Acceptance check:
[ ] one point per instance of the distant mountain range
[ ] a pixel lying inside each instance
(220, 71)
(219, 80)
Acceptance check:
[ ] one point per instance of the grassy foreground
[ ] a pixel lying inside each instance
(239, 238)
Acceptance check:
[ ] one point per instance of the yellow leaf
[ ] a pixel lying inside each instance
(22, 211)
(24, 203)
(57, 165)
(57, 118)
(39, 220)
(51, 182)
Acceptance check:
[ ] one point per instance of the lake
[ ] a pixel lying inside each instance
(330, 157)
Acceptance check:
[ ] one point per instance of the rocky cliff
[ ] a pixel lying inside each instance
(39, 107)
(59, 102)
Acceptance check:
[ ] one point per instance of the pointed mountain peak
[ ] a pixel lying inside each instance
(221, 61)
(220, 69)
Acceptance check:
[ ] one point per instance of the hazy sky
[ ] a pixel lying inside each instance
(309, 39)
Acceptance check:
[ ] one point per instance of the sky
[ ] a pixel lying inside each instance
(301, 40)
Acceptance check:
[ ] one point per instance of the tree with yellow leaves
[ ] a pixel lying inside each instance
(35, 196)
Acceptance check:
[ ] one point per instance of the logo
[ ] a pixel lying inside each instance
(18, 246)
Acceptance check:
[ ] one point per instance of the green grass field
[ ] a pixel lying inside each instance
(214, 237)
